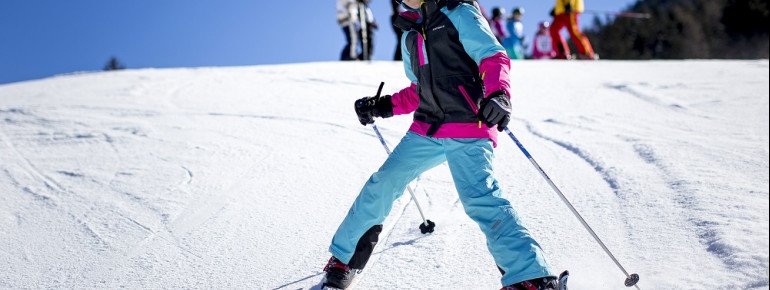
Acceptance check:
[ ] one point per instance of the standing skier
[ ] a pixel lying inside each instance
(514, 43)
(543, 44)
(358, 25)
(565, 14)
(347, 18)
(498, 24)
(460, 98)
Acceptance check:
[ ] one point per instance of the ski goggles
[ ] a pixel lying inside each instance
(406, 7)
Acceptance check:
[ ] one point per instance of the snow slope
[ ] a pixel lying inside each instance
(238, 177)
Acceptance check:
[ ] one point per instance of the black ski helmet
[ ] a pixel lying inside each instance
(498, 12)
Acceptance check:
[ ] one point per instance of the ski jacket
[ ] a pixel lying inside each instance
(454, 61)
(516, 36)
(543, 46)
(347, 12)
(499, 29)
(578, 6)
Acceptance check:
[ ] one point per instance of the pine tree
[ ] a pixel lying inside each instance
(114, 64)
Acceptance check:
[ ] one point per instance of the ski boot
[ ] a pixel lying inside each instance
(338, 275)
(546, 283)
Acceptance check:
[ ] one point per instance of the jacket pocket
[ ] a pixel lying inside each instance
(470, 101)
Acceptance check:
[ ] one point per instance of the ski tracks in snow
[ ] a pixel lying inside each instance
(684, 204)
(57, 197)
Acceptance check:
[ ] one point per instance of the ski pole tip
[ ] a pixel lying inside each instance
(427, 227)
(632, 280)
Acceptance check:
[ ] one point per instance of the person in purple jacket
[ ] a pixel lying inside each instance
(497, 23)
(460, 97)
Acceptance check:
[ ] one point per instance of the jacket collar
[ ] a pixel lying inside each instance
(408, 21)
(413, 18)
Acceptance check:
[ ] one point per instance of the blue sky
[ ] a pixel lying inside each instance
(40, 38)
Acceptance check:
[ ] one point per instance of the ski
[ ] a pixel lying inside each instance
(562, 281)
(563, 278)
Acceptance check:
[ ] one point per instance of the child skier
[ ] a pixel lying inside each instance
(460, 95)
(543, 48)
(514, 43)
(498, 24)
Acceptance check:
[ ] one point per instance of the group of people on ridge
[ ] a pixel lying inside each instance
(548, 42)
(358, 24)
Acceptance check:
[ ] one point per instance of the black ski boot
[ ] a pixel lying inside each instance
(546, 283)
(338, 275)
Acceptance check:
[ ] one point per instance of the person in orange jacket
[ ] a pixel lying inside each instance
(565, 14)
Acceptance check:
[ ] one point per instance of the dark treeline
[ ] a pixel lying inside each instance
(680, 29)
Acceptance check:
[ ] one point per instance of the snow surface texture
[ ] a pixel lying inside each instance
(238, 177)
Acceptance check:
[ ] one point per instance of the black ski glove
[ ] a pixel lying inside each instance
(370, 107)
(496, 110)
(568, 8)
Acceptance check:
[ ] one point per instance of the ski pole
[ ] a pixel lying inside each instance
(631, 279)
(427, 225)
(363, 19)
(620, 14)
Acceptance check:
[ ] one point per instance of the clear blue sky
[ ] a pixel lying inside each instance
(40, 38)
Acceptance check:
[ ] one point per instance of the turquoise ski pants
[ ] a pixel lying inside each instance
(470, 162)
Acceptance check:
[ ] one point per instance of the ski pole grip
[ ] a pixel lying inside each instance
(379, 91)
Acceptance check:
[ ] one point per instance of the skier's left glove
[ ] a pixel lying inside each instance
(496, 110)
(370, 107)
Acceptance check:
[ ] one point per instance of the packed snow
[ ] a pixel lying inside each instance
(238, 177)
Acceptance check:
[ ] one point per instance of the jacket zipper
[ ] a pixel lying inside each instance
(430, 68)
(474, 107)
(468, 98)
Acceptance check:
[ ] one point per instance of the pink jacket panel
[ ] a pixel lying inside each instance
(458, 130)
(405, 101)
(495, 71)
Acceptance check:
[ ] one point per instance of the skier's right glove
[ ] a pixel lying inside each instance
(496, 110)
(568, 8)
(370, 107)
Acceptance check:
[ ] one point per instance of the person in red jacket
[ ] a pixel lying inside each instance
(565, 14)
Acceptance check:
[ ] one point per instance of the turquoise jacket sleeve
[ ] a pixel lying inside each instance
(475, 34)
(407, 60)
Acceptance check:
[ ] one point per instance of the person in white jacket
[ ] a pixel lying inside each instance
(358, 25)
